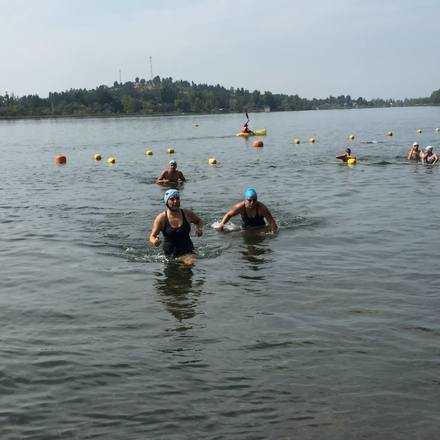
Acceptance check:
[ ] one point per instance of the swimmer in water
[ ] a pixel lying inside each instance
(253, 213)
(346, 156)
(171, 176)
(429, 157)
(414, 152)
(175, 225)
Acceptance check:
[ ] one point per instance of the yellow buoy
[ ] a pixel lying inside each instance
(170, 151)
(111, 160)
(419, 130)
(390, 133)
(148, 152)
(296, 141)
(97, 157)
(351, 137)
(212, 161)
(351, 161)
(312, 140)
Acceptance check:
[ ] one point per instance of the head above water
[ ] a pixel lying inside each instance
(172, 163)
(416, 144)
(250, 194)
(428, 148)
(348, 150)
(170, 194)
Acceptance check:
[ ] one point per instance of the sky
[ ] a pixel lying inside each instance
(313, 48)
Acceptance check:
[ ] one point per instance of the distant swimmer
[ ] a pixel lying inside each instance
(171, 176)
(428, 156)
(414, 152)
(254, 214)
(175, 225)
(346, 156)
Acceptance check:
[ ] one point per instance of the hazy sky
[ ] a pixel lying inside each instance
(369, 48)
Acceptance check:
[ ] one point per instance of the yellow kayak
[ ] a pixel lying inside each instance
(260, 132)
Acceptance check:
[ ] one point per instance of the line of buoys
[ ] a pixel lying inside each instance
(212, 161)
(258, 143)
(148, 152)
(60, 159)
(170, 150)
(296, 141)
(111, 160)
(97, 157)
(312, 140)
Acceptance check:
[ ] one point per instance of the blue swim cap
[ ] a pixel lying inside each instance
(170, 193)
(250, 193)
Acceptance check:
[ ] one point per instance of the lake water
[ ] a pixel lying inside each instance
(329, 329)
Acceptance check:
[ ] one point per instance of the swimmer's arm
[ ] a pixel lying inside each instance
(163, 177)
(235, 210)
(181, 177)
(342, 157)
(269, 218)
(193, 218)
(155, 231)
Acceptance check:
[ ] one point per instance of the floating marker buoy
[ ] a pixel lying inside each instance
(60, 159)
(351, 137)
(437, 129)
(195, 125)
(170, 151)
(312, 140)
(351, 161)
(148, 152)
(212, 161)
(97, 157)
(111, 160)
(390, 133)
(296, 141)
(419, 130)
(258, 143)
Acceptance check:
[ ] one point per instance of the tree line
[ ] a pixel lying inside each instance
(165, 96)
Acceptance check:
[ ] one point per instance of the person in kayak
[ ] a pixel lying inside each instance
(245, 127)
(254, 214)
(428, 156)
(175, 225)
(347, 155)
(171, 176)
(414, 152)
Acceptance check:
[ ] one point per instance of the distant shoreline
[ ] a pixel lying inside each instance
(137, 115)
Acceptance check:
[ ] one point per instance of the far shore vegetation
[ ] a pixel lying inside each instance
(160, 96)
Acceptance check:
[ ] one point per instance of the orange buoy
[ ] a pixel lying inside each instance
(258, 143)
(60, 159)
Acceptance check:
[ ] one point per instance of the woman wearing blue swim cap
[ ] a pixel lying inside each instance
(254, 214)
(175, 225)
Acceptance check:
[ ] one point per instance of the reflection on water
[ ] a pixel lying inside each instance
(256, 250)
(177, 290)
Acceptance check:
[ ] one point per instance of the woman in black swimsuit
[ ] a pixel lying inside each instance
(175, 225)
(254, 214)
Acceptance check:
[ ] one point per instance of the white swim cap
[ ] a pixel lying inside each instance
(428, 148)
(415, 144)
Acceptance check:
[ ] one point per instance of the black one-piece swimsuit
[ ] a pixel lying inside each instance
(177, 241)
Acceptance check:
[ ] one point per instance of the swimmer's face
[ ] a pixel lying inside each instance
(173, 203)
(250, 203)
(173, 166)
